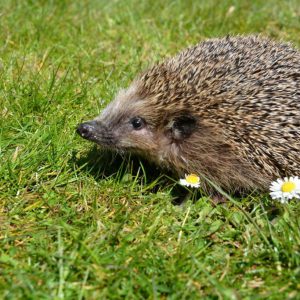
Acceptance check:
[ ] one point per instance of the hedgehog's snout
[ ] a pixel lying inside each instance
(87, 129)
(96, 132)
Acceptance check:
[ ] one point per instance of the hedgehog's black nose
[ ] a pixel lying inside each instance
(86, 130)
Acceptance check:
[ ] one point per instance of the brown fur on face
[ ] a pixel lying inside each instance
(227, 108)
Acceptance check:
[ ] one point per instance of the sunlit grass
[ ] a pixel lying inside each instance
(73, 228)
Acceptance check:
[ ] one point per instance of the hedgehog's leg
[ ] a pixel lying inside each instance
(180, 195)
(218, 199)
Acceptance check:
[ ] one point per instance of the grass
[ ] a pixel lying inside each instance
(71, 228)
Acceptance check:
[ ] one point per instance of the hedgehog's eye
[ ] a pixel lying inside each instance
(137, 123)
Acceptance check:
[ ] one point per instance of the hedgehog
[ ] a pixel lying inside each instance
(227, 108)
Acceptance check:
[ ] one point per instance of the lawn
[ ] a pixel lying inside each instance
(73, 226)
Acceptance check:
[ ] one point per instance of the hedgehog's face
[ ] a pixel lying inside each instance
(123, 133)
(129, 124)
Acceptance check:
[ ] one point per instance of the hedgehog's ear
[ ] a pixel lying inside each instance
(182, 126)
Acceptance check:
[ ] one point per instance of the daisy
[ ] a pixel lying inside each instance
(191, 180)
(286, 189)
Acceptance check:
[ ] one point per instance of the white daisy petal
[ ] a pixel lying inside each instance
(182, 182)
(286, 189)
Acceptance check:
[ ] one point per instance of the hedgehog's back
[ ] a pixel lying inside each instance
(219, 69)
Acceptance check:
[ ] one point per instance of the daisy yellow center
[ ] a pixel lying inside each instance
(288, 187)
(192, 178)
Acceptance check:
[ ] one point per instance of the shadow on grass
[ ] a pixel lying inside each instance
(102, 164)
